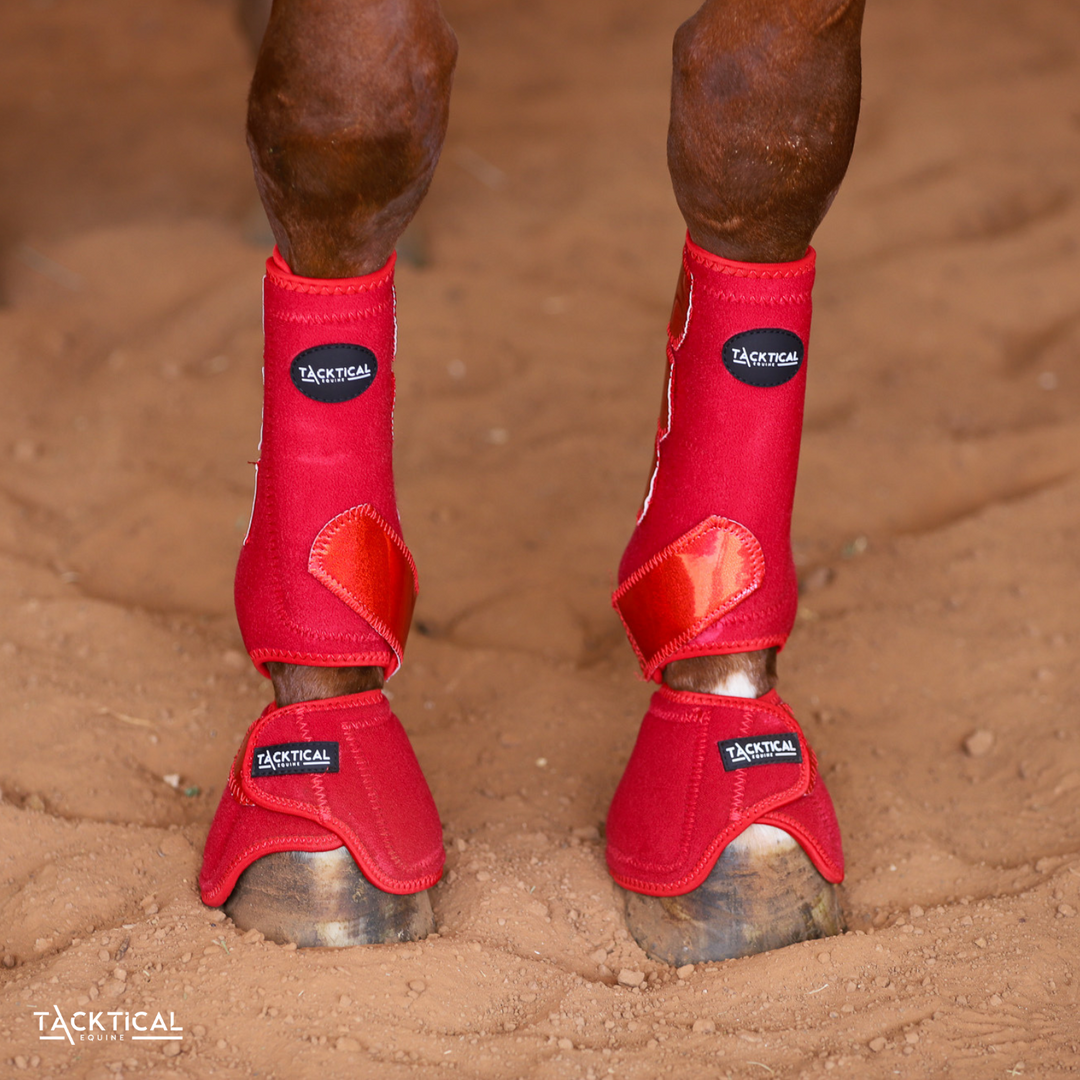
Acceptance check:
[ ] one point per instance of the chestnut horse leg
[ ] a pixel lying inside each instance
(765, 102)
(346, 119)
(347, 115)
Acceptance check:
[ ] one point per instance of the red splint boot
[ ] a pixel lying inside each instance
(325, 579)
(709, 571)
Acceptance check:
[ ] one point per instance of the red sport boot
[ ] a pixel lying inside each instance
(708, 571)
(326, 833)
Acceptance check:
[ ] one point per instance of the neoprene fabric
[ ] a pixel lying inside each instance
(377, 803)
(325, 579)
(677, 808)
(318, 459)
(724, 447)
(709, 571)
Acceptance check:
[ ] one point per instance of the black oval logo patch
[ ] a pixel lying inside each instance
(764, 357)
(334, 373)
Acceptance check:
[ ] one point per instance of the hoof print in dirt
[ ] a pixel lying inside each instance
(762, 894)
(322, 899)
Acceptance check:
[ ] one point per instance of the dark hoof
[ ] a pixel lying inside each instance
(763, 893)
(322, 898)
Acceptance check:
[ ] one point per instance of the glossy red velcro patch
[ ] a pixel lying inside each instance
(366, 564)
(686, 587)
(703, 769)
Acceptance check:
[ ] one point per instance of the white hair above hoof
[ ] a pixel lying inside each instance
(762, 894)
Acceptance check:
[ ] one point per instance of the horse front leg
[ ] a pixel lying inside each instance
(327, 833)
(721, 829)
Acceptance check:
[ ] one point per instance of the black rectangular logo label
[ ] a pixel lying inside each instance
(782, 749)
(291, 758)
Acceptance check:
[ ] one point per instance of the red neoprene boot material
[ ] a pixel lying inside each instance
(314, 776)
(703, 769)
(708, 569)
(324, 578)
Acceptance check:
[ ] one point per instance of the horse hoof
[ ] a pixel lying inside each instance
(322, 899)
(763, 893)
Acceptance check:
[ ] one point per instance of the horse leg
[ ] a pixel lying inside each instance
(765, 102)
(347, 115)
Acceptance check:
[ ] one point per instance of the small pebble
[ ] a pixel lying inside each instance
(24, 450)
(979, 743)
(347, 1044)
(878, 1044)
(685, 971)
(1067, 910)
(418, 985)
(631, 978)
(565, 1044)
(171, 1049)
(704, 1026)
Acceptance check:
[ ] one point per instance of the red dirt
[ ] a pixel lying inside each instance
(937, 529)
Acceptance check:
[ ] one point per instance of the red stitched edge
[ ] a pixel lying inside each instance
(753, 815)
(346, 596)
(771, 301)
(327, 320)
(358, 850)
(218, 890)
(260, 657)
(765, 271)
(828, 869)
(277, 270)
(650, 665)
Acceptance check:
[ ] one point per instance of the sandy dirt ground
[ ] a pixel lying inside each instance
(934, 663)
